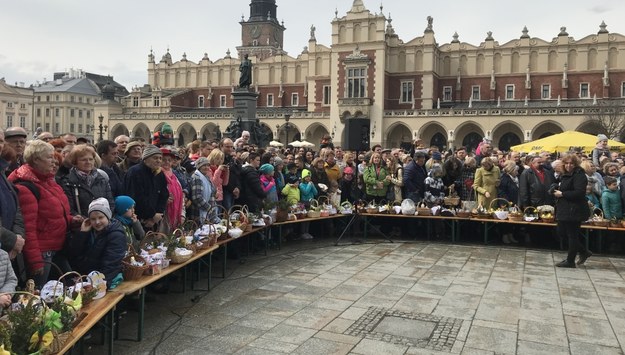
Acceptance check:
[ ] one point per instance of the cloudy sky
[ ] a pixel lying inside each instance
(114, 37)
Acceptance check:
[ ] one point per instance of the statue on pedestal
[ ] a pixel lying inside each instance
(246, 73)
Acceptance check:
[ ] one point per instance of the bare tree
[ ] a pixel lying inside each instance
(608, 117)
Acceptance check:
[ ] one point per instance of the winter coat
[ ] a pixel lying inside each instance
(8, 280)
(149, 190)
(73, 184)
(104, 251)
(414, 181)
(13, 222)
(509, 189)
(270, 187)
(486, 181)
(611, 202)
(252, 193)
(534, 193)
(572, 206)
(372, 176)
(291, 194)
(397, 183)
(466, 186)
(434, 190)
(117, 186)
(307, 191)
(597, 153)
(46, 219)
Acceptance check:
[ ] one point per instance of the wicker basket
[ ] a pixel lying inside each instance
(463, 214)
(179, 259)
(602, 222)
(530, 214)
(372, 209)
(515, 216)
(424, 211)
(451, 200)
(133, 272)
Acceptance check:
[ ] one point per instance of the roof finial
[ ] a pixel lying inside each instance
(602, 27)
(525, 32)
(336, 13)
(381, 8)
(455, 36)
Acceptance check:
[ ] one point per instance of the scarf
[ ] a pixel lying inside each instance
(86, 177)
(126, 221)
(174, 208)
(207, 192)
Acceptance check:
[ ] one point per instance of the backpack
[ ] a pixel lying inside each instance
(30, 186)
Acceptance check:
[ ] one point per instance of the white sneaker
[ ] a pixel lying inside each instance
(307, 236)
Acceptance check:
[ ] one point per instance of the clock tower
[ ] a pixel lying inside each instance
(262, 34)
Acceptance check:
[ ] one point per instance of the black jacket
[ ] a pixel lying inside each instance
(100, 187)
(532, 192)
(234, 179)
(252, 193)
(572, 206)
(508, 189)
(414, 181)
(148, 190)
(103, 251)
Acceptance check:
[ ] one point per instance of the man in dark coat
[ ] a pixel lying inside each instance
(534, 185)
(107, 151)
(233, 189)
(414, 178)
(145, 183)
(252, 193)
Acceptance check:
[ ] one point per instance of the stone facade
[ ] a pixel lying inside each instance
(16, 106)
(447, 94)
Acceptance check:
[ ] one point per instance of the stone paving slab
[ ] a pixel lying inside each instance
(314, 298)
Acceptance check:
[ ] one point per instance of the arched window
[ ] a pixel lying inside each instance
(439, 140)
(508, 140)
(471, 141)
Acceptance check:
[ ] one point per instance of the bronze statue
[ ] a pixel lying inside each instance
(246, 73)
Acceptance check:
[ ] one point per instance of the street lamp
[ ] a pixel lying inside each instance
(101, 128)
(287, 117)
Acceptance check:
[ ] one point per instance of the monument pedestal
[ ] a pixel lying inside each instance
(245, 103)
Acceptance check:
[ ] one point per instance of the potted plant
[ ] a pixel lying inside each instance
(282, 210)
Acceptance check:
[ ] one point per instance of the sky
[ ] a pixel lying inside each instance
(114, 37)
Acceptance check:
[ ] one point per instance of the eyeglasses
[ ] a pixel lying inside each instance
(122, 142)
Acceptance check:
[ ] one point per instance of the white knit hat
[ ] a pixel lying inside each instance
(101, 205)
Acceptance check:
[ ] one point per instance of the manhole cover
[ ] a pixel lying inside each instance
(412, 329)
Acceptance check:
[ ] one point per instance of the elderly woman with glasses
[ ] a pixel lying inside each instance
(45, 209)
(85, 182)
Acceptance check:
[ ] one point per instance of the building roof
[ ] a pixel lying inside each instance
(82, 86)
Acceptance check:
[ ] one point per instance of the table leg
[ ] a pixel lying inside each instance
(141, 314)
(453, 231)
(458, 230)
(267, 238)
(223, 270)
(279, 237)
(485, 232)
(111, 316)
(184, 279)
(210, 269)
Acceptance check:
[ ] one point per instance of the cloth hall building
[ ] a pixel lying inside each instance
(371, 87)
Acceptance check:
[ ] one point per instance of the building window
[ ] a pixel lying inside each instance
(38, 98)
(88, 114)
(326, 95)
(71, 113)
(88, 100)
(71, 127)
(9, 105)
(222, 100)
(135, 101)
(79, 98)
(48, 127)
(23, 122)
(57, 128)
(584, 90)
(356, 80)
(56, 98)
(47, 98)
(623, 89)
(294, 99)
(79, 113)
(80, 128)
(157, 101)
(22, 106)
(71, 98)
(510, 92)
(269, 100)
(447, 90)
(57, 112)
(546, 91)
(406, 92)
(200, 101)
(47, 112)
(9, 120)
(38, 112)
(475, 92)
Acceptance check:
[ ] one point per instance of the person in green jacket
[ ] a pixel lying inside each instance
(377, 179)
(611, 199)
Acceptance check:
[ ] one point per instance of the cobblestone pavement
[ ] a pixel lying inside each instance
(393, 298)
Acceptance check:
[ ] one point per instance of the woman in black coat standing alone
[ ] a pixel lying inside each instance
(572, 209)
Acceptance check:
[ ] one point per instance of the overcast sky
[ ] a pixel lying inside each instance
(114, 37)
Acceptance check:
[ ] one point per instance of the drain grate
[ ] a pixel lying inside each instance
(406, 328)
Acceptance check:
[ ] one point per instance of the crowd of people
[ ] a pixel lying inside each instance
(80, 206)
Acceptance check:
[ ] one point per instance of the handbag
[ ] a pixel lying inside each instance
(470, 205)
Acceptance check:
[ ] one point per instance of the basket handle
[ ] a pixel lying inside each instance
(600, 212)
(498, 199)
(531, 208)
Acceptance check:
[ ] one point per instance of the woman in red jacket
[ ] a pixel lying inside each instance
(45, 208)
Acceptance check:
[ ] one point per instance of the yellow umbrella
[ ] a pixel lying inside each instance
(566, 141)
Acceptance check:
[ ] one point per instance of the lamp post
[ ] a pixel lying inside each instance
(287, 117)
(101, 132)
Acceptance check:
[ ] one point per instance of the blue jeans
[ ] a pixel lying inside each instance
(228, 200)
